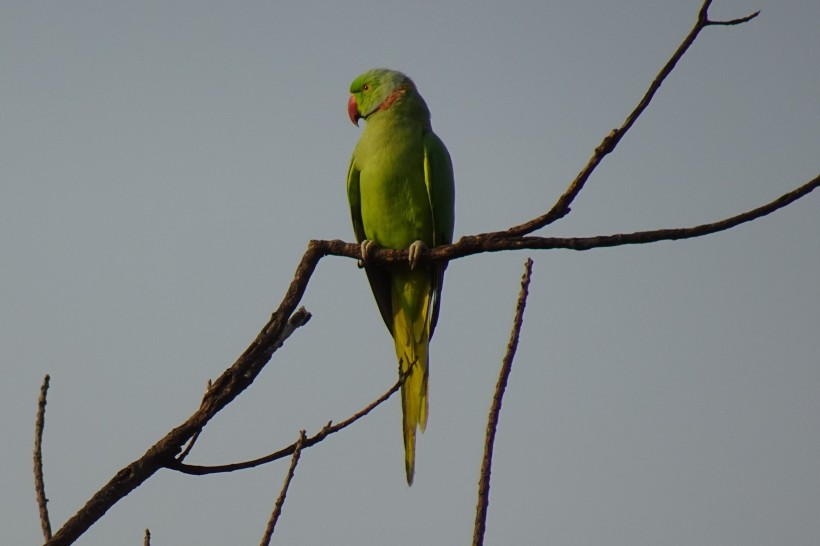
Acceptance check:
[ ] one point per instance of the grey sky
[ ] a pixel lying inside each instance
(165, 163)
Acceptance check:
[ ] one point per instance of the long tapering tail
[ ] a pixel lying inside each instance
(411, 333)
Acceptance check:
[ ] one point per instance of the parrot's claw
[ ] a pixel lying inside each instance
(367, 246)
(415, 251)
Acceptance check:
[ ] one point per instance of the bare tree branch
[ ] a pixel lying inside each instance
(39, 482)
(493, 242)
(147, 540)
(286, 318)
(608, 144)
(277, 507)
(326, 431)
(495, 410)
(232, 382)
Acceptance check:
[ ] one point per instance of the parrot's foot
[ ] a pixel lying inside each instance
(367, 245)
(416, 250)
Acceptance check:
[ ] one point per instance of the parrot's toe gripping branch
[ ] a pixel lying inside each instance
(415, 251)
(367, 245)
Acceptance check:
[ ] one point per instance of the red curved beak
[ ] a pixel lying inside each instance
(353, 110)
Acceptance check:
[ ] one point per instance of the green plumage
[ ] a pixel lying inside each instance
(401, 192)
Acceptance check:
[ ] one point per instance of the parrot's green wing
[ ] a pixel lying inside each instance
(354, 198)
(379, 277)
(438, 175)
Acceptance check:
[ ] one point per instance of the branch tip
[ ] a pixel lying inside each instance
(39, 482)
(733, 22)
(495, 409)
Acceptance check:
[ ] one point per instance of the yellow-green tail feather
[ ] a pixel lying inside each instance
(411, 333)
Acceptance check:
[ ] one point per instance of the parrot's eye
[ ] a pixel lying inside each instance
(365, 87)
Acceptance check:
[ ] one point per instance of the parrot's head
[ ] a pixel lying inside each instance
(376, 90)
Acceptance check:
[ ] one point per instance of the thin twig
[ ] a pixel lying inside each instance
(733, 22)
(326, 431)
(39, 482)
(280, 501)
(189, 446)
(195, 437)
(147, 540)
(495, 410)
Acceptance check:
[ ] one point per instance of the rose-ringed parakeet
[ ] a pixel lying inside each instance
(401, 194)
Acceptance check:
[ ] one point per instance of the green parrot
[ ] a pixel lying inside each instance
(401, 194)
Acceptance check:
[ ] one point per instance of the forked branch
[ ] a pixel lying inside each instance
(326, 431)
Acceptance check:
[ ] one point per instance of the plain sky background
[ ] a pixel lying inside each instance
(165, 163)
